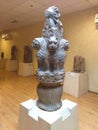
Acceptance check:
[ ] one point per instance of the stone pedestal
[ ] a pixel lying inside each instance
(33, 118)
(49, 97)
(11, 65)
(2, 63)
(25, 69)
(75, 84)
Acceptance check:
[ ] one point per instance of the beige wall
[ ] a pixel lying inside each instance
(21, 37)
(79, 29)
(5, 46)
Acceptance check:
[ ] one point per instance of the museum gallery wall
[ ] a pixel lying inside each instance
(79, 29)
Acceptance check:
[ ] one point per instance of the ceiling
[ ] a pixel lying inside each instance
(17, 13)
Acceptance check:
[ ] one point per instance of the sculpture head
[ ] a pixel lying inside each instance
(36, 43)
(52, 12)
(52, 44)
(64, 43)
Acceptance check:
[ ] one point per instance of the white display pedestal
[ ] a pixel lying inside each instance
(2, 63)
(33, 118)
(25, 69)
(11, 65)
(75, 84)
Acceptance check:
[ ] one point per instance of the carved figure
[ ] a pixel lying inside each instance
(40, 45)
(2, 55)
(52, 60)
(27, 54)
(61, 54)
(13, 53)
(79, 64)
(53, 25)
(56, 54)
(51, 54)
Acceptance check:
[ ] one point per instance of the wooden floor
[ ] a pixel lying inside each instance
(15, 89)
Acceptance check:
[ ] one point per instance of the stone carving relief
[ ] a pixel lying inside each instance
(51, 52)
(79, 64)
(2, 55)
(27, 54)
(13, 53)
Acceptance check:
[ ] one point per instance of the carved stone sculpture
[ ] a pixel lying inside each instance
(51, 54)
(27, 54)
(13, 53)
(79, 64)
(2, 55)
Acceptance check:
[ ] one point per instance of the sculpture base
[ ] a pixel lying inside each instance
(11, 65)
(33, 118)
(25, 69)
(49, 78)
(50, 107)
(75, 84)
(2, 63)
(49, 97)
